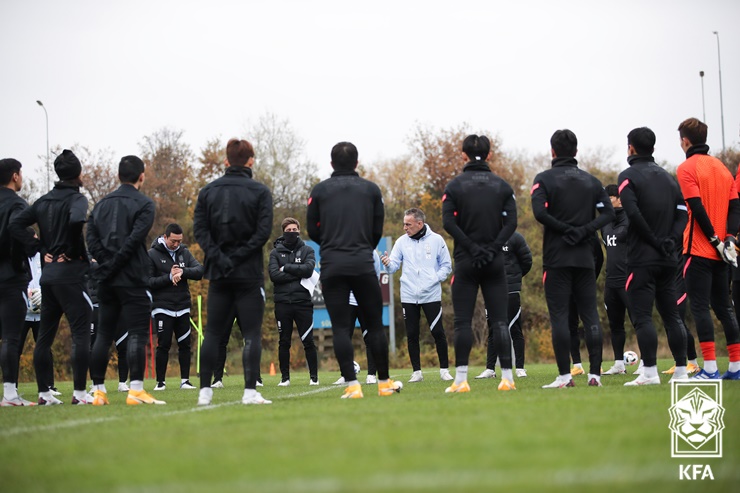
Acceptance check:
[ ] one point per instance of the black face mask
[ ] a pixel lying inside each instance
(290, 238)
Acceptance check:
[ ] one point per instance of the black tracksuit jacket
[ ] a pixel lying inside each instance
(165, 294)
(656, 210)
(297, 264)
(614, 236)
(478, 207)
(60, 215)
(14, 249)
(345, 216)
(116, 237)
(564, 197)
(517, 260)
(232, 223)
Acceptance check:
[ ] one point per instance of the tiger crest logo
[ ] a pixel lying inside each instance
(697, 419)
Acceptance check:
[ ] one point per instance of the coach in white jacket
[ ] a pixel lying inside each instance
(426, 263)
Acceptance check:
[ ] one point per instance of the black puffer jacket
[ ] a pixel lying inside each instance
(297, 264)
(14, 251)
(518, 261)
(165, 294)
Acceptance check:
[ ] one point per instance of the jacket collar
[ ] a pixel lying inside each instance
(640, 159)
(564, 161)
(239, 170)
(697, 149)
(344, 172)
(476, 166)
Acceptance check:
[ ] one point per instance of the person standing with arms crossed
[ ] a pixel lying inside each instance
(426, 263)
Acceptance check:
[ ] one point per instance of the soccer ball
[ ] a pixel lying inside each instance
(630, 358)
(357, 367)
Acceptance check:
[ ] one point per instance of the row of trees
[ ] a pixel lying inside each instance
(175, 174)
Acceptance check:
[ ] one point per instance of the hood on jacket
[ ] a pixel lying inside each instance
(159, 244)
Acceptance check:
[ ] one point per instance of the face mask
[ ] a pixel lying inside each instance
(290, 238)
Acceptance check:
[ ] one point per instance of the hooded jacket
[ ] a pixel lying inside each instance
(517, 260)
(14, 249)
(614, 237)
(166, 297)
(297, 263)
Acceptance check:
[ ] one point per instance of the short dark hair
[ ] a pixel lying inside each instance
(476, 147)
(172, 228)
(344, 156)
(694, 130)
(238, 152)
(8, 167)
(288, 221)
(612, 190)
(130, 168)
(564, 143)
(643, 140)
(417, 213)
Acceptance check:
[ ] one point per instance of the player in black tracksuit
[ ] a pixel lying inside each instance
(345, 217)
(116, 237)
(565, 199)
(518, 263)
(60, 215)
(172, 266)
(15, 274)
(657, 216)
(232, 223)
(479, 212)
(291, 261)
(575, 336)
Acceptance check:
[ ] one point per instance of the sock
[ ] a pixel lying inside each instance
(710, 365)
(641, 365)
(734, 366)
(80, 395)
(137, 385)
(9, 390)
(100, 387)
(46, 395)
(461, 374)
(734, 352)
(619, 363)
(707, 351)
(579, 366)
(507, 374)
(693, 362)
(355, 382)
(250, 393)
(679, 372)
(565, 378)
(650, 371)
(183, 380)
(206, 392)
(597, 377)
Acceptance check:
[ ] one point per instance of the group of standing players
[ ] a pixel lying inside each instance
(697, 216)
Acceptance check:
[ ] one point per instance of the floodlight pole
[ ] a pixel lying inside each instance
(721, 104)
(48, 168)
(703, 106)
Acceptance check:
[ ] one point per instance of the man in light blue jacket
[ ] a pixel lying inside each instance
(426, 263)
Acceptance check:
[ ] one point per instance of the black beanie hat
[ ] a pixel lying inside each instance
(67, 166)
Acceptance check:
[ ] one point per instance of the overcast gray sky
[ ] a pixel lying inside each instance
(111, 72)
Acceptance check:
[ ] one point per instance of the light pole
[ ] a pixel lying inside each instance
(703, 107)
(721, 105)
(48, 169)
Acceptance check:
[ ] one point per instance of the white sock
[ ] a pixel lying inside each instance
(565, 378)
(80, 395)
(734, 366)
(206, 392)
(650, 371)
(355, 382)
(679, 372)
(461, 374)
(579, 366)
(250, 393)
(640, 365)
(507, 374)
(183, 380)
(137, 385)
(46, 395)
(619, 363)
(100, 387)
(710, 366)
(597, 377)
(693, 362)
(10, 391)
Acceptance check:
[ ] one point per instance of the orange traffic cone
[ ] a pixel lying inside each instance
(272, 369)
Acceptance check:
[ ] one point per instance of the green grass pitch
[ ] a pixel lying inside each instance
(309, 440)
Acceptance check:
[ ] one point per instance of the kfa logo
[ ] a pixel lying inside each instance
(696, 419)
(611, 240)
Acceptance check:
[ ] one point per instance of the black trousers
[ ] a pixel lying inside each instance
(166, 326)
(575, 334)
(286, 315)
(73, 301)
(492, 282)
(31, 326)
(355, 315)
(247, 300)
(656, 285)
(707, 285)
(682, 303)
(617, 304)
(412, 319)
(131, 308)
(12, 315)
(514, 312)
(120, 340)
(366, 289)
(579, 283)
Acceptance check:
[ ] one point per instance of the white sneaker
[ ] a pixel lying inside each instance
(51, 401)
(521, 373)
(342, 382)
(260, 384)
(257, 399)
(313, 382)
(487, 373)
(444, 374)
(369, 380)
(160, 386)
(16, 401)
(680, 378)
(643, 380)
(560, 383)
(284, 383)
(186, 385)
(416, 377)
(218, 384)
(615, 370)
(122, 387)
(54, 392)
(639, 369)
(204, 396)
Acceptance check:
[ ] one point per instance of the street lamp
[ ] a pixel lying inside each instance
(721, 105)
(703, 107)
(48, 169)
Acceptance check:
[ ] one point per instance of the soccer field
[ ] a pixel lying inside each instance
(309, 440)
